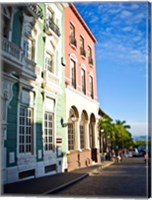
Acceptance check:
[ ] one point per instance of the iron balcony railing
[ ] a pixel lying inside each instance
(82, 51)
(90, 60)
(73, 41)
(50, 24)
(11, 50)
(36, 10)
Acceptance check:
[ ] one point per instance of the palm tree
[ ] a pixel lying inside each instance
(122, 134)
(106, 130)
(118, 122)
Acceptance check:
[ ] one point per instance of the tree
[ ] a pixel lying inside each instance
(106, 130)
(123, 136)
(115, 132)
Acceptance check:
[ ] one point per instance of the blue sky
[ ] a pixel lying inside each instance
(121, 58)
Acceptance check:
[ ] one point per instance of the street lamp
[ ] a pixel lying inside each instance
(101, 141)
(73, 119)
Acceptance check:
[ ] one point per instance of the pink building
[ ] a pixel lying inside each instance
(81, 92)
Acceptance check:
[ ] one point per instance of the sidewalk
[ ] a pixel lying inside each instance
(51, 184)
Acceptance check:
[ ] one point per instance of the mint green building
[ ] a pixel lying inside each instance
(32, 91)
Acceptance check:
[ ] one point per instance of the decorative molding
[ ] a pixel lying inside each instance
(73, 56)
(28, 24)
(7, 90)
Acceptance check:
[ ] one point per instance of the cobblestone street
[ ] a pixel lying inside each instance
(125, 179)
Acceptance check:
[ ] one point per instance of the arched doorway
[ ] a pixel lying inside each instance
(92, 137)
(83, 129)
(73, 116)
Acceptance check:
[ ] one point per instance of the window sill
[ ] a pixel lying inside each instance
(91, 65)
(73, 46)
(83, 57)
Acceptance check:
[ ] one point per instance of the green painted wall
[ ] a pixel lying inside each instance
(39, 97)
(11, 141)
(61, 103)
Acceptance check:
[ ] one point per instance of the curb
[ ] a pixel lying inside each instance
(57, 189)
(95, 171)
(108, 164)
(98, 170)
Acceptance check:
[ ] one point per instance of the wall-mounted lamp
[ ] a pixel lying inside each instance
(73, 119)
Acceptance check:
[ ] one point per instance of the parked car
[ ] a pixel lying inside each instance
(130, 154)
(135, 152)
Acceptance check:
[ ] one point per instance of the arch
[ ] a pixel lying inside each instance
(83, 130)
(72, 128)
(83, 66)
(73, 56)
(92, 137)
(75, 111)
(91, 74)
(85, 114)
(92, 118)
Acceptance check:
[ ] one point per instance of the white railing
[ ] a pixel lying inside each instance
(14, 54)
(11, 50)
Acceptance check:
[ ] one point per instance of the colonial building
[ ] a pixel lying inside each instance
(33, 91)
(81, 93)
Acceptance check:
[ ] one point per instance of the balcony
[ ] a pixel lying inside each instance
(82, 52)
(35, 10)
(90, 60)
(73, 41)
(50, 25)
(14, 60)
(11, 52)
(50, 82)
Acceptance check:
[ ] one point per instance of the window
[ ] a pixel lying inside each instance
(83, 82)
(48, 131)
(81, 42)
(6, 21)
(72, 30)
(28, 49)
(89, 52)
(51, 23)
(25, 129)
(82, 131)
(90, 59)
(91, 87)
(72, 35)
(49, 62)
(82, 50)
(71, 130)
(73, 73)
(50, 15)
(70, 136)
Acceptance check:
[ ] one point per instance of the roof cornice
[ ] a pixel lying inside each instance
(82, 21)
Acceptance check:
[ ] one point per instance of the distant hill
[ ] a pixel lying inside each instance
(141, 137)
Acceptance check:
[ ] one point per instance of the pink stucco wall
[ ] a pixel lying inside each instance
(71, 15)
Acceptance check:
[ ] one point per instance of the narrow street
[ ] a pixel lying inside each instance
(125, 179)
